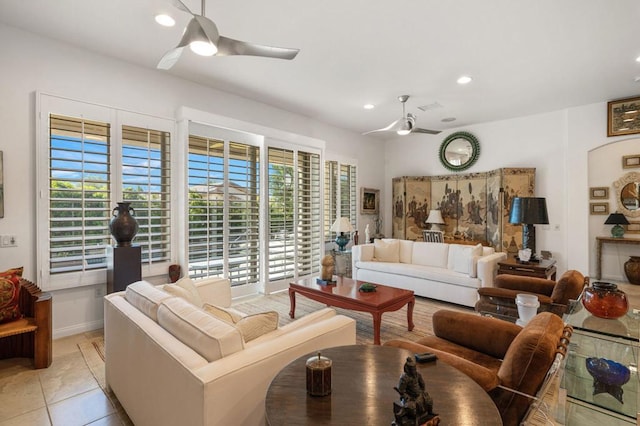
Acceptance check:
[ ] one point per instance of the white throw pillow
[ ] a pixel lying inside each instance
(253, 326)
(226, 314)
(176, 290)
(463, 257)
(145, 297)
(187, 284)
(386, 251)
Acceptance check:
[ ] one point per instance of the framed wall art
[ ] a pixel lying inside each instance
(369, 201)
(599, 193)
(623, 116)
(633, 227)
(599, 208)
(631, 161)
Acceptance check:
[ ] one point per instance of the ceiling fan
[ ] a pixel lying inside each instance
(406, 124)
(202, 37)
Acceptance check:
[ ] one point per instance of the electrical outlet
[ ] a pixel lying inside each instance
(8, 241)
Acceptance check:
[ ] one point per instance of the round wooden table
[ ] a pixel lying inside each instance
(363, 377)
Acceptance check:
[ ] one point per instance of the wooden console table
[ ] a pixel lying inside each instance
(600, 241)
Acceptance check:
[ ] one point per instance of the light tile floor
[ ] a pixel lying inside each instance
(65, 394)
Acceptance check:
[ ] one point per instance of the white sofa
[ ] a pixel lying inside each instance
(448, 272)
(174, 379)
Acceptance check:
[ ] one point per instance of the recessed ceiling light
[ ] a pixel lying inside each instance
(448, 119)
(464, 79)
(638, 59)
(369, 106)
(165, 20)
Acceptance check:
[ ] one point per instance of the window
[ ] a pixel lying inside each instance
(294, 213)
(224, 213)
(90, 157)
(339, 195)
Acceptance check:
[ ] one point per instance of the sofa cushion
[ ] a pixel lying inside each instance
(386, 251)
(10, 294)
(429, 273)
(146, 298)
(209, 336)
(462, 257)
(430, 254)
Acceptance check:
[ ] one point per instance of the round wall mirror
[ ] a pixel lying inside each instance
(459, 151)
(628, 194)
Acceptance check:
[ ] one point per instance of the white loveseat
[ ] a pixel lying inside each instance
(448, 272)
(201, 372)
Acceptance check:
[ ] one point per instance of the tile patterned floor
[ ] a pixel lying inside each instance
(65, 394)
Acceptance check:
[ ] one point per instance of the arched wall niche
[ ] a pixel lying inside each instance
(605, 167)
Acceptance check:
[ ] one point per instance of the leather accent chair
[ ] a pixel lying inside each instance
(553, 296)
(508, 361)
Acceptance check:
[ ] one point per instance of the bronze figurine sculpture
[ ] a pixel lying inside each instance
(416, 405)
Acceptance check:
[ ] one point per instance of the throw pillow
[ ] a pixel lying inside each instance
(226, 314)
(187, 284)
(386, 251)
(10, 294)
(463, 257)
(254, 326)
(178, 291)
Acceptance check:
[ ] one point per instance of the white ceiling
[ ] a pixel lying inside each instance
(525, 57)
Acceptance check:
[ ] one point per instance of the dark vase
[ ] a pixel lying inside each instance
(123, 225)
(604, 300)
(632, 269)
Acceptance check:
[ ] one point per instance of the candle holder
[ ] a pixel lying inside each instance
(318, 375)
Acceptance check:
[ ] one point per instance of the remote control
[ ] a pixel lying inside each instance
(425, 357)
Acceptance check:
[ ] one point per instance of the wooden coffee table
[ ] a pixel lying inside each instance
(362, 381)
(345, 294)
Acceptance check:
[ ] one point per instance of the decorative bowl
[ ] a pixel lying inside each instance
(604, 300)
(608, 376)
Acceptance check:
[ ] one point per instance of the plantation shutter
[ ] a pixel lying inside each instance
(330, 197)
(309, 211)
(79, 194)
(348, 193)
(146, 184)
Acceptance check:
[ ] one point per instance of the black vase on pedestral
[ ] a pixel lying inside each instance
(123, 224)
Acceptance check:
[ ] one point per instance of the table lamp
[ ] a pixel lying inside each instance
(617, 220)
(340, 226)
(529, 211)
(435, 219)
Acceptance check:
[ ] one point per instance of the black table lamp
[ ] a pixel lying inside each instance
(529, 211)
(616, 219)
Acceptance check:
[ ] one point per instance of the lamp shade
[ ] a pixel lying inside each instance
(435, 217)
(529, 210)
(342, 224)
(616, 219)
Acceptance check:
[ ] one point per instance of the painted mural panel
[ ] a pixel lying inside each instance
(472, 190)
(516, 183)
(418, 204)
(398, 222)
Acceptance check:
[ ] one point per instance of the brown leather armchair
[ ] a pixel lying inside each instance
(508, 361)
(553, 296)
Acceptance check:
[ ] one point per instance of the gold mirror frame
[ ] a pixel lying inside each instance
(631, 177)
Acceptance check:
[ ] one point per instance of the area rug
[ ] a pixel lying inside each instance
(394, 324)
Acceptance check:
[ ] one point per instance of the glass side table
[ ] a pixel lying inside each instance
(615, 340)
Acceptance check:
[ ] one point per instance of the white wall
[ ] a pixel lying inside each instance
(31, 63)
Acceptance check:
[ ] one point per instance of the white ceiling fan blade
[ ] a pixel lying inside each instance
(207, 27)
(428, 131)
(228, 46)
(170, 58)
(390, 128)
(178, 4)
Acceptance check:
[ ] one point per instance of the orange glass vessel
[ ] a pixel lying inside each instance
(604, 300)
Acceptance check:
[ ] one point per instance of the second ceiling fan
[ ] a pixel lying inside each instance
(406, 124)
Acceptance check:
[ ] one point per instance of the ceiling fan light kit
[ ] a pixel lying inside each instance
(203, 38)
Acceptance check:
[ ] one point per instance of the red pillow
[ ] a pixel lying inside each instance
(10, 294)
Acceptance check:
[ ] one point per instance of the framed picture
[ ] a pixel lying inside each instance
(369, 201)
(633, 227)
(599, 193)
(623, 116)
(599, 208)
(631, 161)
